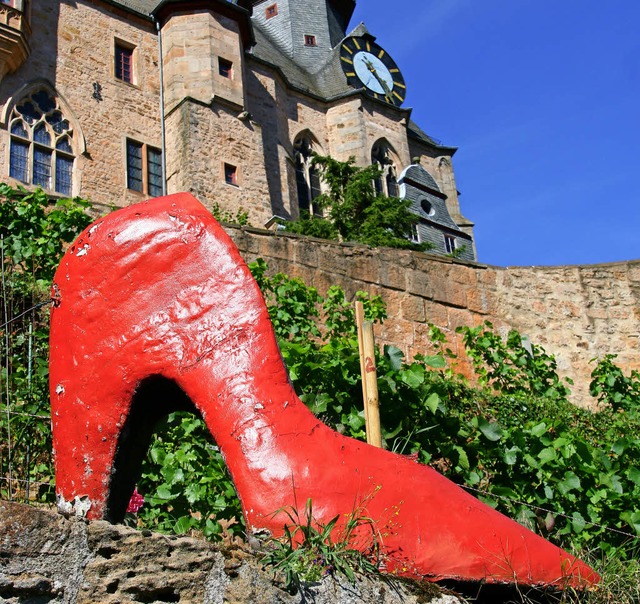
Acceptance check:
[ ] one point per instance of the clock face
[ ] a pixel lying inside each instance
(369, 67)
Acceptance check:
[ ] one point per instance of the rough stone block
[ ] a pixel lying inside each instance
(391, 275)
(419, 283)
(449, 293)
(306, 255)
(413, 309)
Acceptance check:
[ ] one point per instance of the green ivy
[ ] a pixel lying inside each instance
(34, 232)
(354, 211)
(612, 388)
(185, 482)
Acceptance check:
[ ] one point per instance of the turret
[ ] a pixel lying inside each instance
(14, 34)
(203, 44)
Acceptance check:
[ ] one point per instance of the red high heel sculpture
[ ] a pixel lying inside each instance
(156, 311)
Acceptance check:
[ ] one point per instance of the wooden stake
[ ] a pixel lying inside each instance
(366, 345)
(371, 378)
(359, 323)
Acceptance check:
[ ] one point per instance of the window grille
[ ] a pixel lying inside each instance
(144, 168)
(124, 63)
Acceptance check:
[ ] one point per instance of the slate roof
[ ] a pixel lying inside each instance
(417, 133)
(420, 177)
(327, 82)
(416, 185)
(143, 7)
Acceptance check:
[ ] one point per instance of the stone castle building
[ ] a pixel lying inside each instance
(120, 100)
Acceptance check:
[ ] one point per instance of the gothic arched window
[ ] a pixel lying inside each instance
(307, 176)
(386, 183)
(41, 151)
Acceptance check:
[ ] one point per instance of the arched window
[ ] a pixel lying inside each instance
(41, 148)
(386, 183)
(307, 176)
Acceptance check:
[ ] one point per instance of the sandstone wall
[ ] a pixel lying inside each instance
(46, 558)
(75, 51)
(575, 312)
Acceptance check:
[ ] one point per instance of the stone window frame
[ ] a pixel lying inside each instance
(383, 156)
(271, 11)
(143, 168)
(42, 149)
(308, 182)
(127, 47)
(310, 40)
(231, 174)
(225, 68)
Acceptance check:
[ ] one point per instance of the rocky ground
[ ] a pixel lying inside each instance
(47, 558)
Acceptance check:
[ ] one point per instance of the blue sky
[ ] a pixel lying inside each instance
(542, 97)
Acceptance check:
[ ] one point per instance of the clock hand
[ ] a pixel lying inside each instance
(385, 87)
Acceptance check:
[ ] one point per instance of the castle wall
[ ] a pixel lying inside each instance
(203, 139)
(193, 44)
(575, 312)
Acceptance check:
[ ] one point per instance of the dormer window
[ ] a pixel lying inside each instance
(310, 40)
(450, 244)
(271, 11)
(427, 207)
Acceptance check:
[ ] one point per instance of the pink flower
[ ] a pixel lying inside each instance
(135, 503)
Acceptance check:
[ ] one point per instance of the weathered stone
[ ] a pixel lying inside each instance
(413, 309)
(47, 558)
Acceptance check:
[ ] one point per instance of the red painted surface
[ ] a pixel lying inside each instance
(159, 289)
